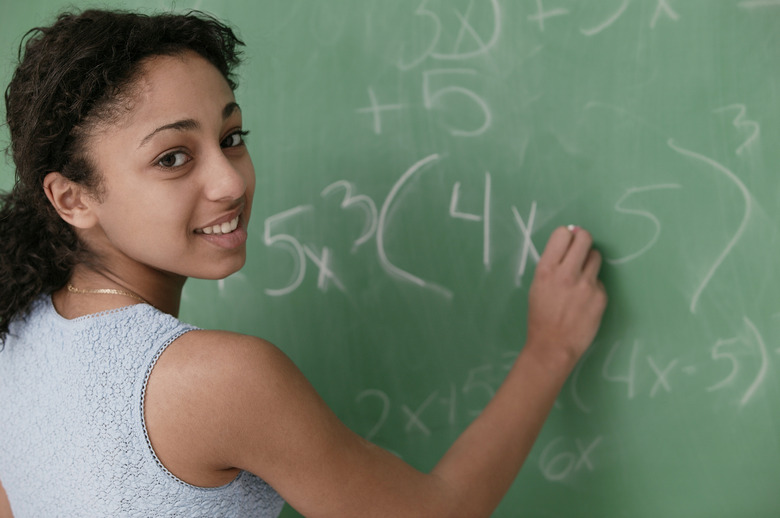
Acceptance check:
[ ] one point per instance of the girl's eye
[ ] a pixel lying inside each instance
(171, 160)
(234, 139)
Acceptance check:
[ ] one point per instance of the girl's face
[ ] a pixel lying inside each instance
(177, 180)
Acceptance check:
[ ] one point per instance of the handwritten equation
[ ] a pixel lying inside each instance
(736, 367)
(375, 218)
(443, 81)
(375, 227)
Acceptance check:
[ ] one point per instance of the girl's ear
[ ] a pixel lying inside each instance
(71, 200)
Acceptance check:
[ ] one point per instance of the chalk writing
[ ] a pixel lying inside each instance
(322, 262)
(360, 200)
(663, 8)
(291, 244)
(764, 367)
(732, 358)
(564, 456)
(384, 261)
(609, 21)
(528, 246)
(484, 217)
(385, 400)
(629, 378)
(422, 11)
(413, 416)
(479, 379)
(375, 226)
(662, 376)
(433, 97)
(541, 15)
(376, 110)
(743, 224)
(482, 46)
(574, 385)
(476, 129)
(728, 349)
(466, 27)
(641, 213)
(441, 407)
(558, 466)
(740, 122)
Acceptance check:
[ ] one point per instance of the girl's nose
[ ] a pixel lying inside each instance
(224, 181)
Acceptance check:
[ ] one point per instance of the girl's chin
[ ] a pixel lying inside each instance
(225, 270)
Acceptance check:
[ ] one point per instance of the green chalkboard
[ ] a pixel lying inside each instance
(413, 157)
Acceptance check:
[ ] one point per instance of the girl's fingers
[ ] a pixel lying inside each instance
(577, 253)
(556, 247)
(592, 264)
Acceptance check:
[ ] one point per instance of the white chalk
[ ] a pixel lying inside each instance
(571, 228)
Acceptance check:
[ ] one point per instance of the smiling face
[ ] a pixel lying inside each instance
(177, 180)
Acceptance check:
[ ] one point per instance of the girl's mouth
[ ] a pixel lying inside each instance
(225, 228)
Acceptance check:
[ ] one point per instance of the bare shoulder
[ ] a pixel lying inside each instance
(209, 368)
(220, 343)
(221, 353)
(223, 402)
(205, 390)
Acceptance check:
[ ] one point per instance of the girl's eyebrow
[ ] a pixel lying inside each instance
(189, 124)
(182, 125)
(229, 108)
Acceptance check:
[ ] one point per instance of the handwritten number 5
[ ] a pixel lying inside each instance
(431, 97)
(422, 11)
(289, 243)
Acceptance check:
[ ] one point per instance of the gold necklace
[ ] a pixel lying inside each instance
(107, 291)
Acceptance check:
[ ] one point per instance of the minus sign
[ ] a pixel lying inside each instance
(689, 370)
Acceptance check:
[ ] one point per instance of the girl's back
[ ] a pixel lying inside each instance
(74, 433)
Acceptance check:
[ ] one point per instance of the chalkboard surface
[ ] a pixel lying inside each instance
(413, 157)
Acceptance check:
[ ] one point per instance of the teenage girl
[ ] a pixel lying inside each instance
(133, 175)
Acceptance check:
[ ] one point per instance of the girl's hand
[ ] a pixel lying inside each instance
(566, 300)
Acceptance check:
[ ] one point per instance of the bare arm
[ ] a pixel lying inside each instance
(566, 304)
(5, 505)
(252, 409)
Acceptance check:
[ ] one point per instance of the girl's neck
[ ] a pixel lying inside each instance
(161, 290)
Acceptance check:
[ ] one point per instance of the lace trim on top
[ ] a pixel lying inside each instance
(146, 432)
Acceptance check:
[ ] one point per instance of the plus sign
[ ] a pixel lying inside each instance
(377, 110)
(542, 15)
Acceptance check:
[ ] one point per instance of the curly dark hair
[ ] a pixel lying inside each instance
(72, 76)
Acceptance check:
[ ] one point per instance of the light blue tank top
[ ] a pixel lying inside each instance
(73, 441)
